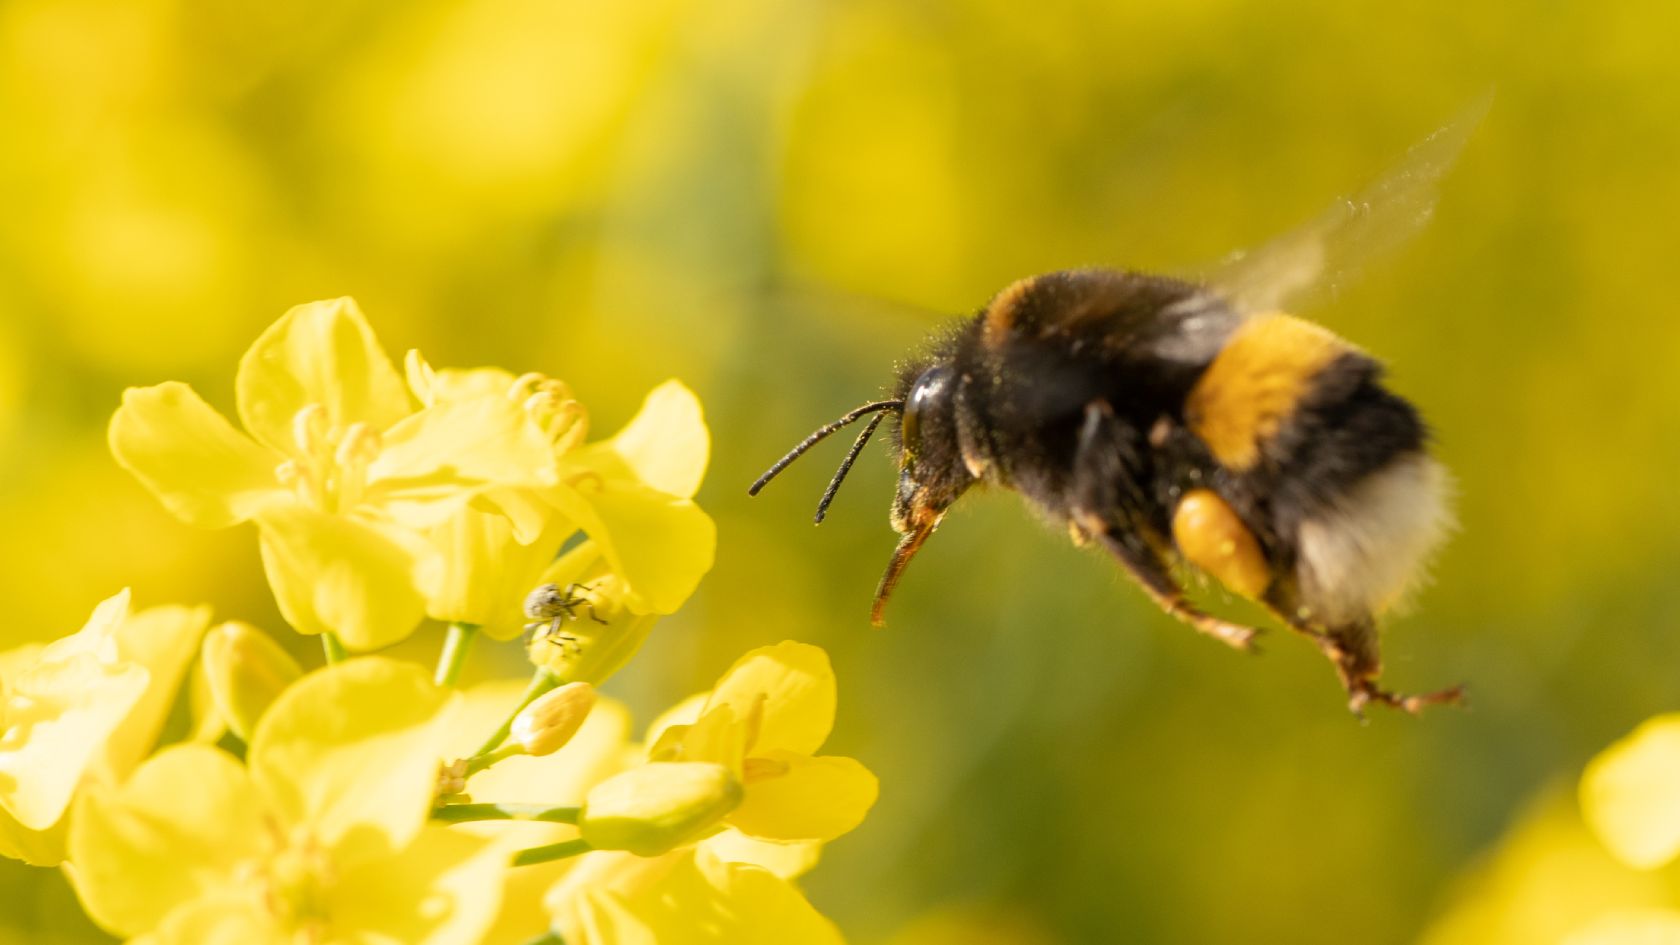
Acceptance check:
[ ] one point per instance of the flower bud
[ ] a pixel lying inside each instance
(246, 671)
(546, 725)
(658, 807)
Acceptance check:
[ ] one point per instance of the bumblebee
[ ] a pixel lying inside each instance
(1192, 424)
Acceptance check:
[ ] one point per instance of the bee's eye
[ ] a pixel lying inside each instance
(926, 396)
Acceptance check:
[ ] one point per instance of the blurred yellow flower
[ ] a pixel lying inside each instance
(85, 707)
(323, 837)
(1630, 794)
(1641, 927)
(763, 720)
(339, 472)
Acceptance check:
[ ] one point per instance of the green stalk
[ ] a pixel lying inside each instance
(333, 647)
(551, 852)
(469, 813)
(454, 654)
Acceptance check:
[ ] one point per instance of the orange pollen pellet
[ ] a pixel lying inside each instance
(1211, 536)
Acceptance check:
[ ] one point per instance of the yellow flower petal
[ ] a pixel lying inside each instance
(442, 889)
(432, 386)
(660, 544)
(164, 640)
(686, 712)
(245, 671)
(353, 746)
(720, 736)
(319, 353)
(796, 684)
(1630, 794)
(702, 900)
(816, 799)
(35, 847)
(486, 572)
(787, 860)
(525, 509)
(140, 852)
(340, 574)
(665, 446)
(204, 471)
(59, 706)
(433, 462)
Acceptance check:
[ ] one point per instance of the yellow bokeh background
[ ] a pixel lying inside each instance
(774, 201)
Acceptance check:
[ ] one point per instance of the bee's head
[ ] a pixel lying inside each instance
(931, 471)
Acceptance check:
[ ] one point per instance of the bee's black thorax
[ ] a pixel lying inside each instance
(1029, 363)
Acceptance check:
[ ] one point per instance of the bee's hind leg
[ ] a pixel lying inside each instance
(1106, 496)
(1352, 650)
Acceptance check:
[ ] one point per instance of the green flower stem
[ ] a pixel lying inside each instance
(541, 681)
(550, 937)
(333, 647)
(467, 813)
(478, 763)
(454, 654)
(551, 852)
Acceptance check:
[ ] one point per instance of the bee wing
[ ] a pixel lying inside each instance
(1323, 256)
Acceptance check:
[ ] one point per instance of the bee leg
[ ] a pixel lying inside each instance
(1353, 651)
(1152, 574)
(1104, 488)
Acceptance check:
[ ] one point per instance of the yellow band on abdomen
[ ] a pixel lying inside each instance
(1254, 384)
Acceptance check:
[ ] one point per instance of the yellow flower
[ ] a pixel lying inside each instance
(1630, 794)
(323, 837)
(338, 471)
(632, 494)
(764, 720)
(85, 707)
(690, 897)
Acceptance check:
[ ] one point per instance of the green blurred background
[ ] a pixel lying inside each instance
(774, 201)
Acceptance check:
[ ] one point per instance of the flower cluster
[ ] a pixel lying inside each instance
(371, 799)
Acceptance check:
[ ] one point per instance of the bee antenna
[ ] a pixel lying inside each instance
(820, 434)
(846, 466)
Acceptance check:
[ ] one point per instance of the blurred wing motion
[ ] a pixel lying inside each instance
(1321, 257)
